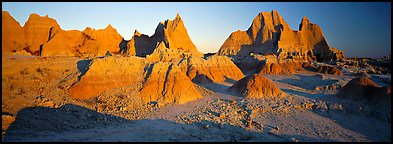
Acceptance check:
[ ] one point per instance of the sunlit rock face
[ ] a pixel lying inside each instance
(256, 86)
(172, 33)
(270, 34)
(89, 42)
(12, 35)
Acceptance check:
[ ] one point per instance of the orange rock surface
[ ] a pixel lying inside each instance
(166, 83)
(39, 30)
(216, 68)
(12, 35)
(256, 86)
(172, 32)
(289, 67)
(108, 73)
(269, 33)
(329, 70)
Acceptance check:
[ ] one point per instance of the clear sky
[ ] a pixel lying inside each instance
(360, 29)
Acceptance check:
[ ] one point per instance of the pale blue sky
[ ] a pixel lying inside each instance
(359, 29)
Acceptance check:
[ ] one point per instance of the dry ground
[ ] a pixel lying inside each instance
(34, 94)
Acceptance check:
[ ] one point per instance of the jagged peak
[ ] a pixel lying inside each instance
(109, 26)
(161, 45)
(6, 12)
(88, 29)
(305, 22)
(177, 16)
(136, 33)
(36, 16)
(305, 19)
(272, 13)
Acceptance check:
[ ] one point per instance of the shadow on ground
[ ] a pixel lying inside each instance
(218, 88)
(367, 124)
(83, 67)
(307, 82)
(76, 123)
(307, 95)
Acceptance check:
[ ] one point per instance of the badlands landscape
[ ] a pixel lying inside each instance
(268, 83)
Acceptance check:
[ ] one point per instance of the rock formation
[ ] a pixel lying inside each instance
(89, 42)
(256, 86)
(202, 79)
(362, 88)
(39, 30)
(238, 40)
(322, 69)
(289, 67)
(329, 70)
(171, 32)
(13, 37)
(162, 82)
(108, 73)
(101, 40)
(140, 45)
(58, 47)
(270, 34)
(216, 68)
(43, 36)
(163, 54)
(166, 83)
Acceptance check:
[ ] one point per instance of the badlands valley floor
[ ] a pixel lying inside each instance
(36, 106)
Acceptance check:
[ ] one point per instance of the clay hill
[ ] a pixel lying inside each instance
(173, 35)
(215, 69)
(108, 73)
(270, 34)
(161, 82)
(362, 88)
(168, 84)
(256, 86)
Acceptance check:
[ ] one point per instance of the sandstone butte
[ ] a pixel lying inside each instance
(171, 32)
(256, 86)
(289, 67)
(362, 88)
(163, 82)
(38, 30)
(270, 34)
(42, 36)
(108, 73)
(166, 83)
(12, 35)
(89, 42)
(216, 68)
(30, 37)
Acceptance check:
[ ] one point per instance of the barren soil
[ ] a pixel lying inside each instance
(34, 92)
